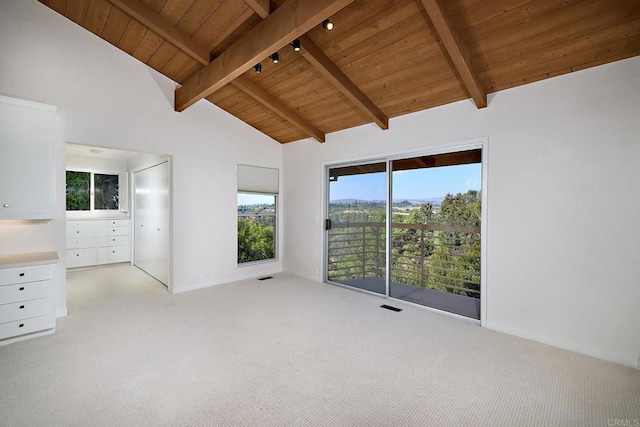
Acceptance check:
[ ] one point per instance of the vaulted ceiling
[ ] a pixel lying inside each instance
(383, 59)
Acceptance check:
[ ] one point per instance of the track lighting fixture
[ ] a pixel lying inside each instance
(296, 45)
(275, 58)
(258, 68)
(327, 24)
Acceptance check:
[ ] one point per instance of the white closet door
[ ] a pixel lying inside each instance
(152, 221)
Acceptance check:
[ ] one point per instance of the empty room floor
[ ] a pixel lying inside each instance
(288, 351)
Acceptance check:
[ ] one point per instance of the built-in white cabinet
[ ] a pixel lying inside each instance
(25, 301)
(26, 163)
(96, 242)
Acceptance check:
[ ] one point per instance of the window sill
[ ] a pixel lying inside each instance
(261, 263)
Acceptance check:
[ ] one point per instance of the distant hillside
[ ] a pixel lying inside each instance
(435, 201)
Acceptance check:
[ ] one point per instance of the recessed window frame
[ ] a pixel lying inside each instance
(273, 215)
(92, 173)
(259, 181)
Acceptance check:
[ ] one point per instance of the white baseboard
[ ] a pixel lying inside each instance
(27, 336)
(241, 274)
(312, 277)
(578, 347)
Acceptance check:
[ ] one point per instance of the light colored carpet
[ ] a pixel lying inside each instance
(288, 351)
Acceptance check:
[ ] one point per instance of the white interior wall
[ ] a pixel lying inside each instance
(108, 99)
(563, 202)
(103, 164)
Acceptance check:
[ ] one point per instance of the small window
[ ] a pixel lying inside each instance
(256, 227)
(106, 191)
(88, 191)
(257, 196)
(78, 191)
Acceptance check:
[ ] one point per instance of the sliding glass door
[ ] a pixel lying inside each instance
(433, 242)
(356, 243)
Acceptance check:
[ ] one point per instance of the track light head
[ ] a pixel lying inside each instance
(327, 24)
(296, 45)
(275, 58)
(258, 68)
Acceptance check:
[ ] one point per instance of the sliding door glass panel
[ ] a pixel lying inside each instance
(357, 234)
(435, 242)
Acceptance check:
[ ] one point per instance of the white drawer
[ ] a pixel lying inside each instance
(10, 276)
(113, 231)
(113, 223)
(24, 310)
(81, 224)
(113, 254)
(25, 326)
(24, 291)
(85, 231)
(113, 241)
(81, 242)
(81, 257)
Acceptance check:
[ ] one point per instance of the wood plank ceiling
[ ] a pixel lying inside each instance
(383, 59)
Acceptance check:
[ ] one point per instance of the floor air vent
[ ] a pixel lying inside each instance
(265, 278)
(388, 307)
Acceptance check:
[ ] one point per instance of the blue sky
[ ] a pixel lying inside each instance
(411, 184)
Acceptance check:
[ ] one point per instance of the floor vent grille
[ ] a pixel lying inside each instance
(388, 307)
(265, 278)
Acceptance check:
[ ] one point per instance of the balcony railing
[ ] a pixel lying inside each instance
(439, 257)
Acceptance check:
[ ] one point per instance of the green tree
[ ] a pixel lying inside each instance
(78, 191)
(255, 239)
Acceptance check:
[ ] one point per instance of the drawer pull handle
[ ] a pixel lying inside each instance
(77, 254)
(21, 325)
(21, 307)
(21, 288)
(113, 252)
(78, 231)
(21, 274)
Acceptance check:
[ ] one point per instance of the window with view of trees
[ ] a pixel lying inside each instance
(256, 227)
(88, 191)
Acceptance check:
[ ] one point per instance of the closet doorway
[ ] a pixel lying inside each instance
(118, 205)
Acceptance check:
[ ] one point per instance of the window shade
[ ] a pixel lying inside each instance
(255, 179)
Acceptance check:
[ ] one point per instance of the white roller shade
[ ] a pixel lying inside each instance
(255, 179)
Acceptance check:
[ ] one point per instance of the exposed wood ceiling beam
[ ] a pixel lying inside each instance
(200, 54)
(456, 50)
(163, 28)
(290, 21)
(257, 93)
(261, 7)
(331, 72)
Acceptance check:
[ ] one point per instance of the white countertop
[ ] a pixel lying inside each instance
(26, 260)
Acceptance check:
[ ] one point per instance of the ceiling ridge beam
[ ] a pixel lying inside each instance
(456, 51)
(316, 57)
(291, 20)
(273, 104)
(261, 7)
(164, 29)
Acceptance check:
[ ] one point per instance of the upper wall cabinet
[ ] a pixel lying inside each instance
(26, 162)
